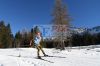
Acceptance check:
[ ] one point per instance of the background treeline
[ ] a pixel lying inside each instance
(22, 39)
(6, 37)
(85, 39)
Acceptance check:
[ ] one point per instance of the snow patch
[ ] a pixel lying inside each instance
(87, 56)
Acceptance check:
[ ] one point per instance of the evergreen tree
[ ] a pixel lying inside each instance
(6, 37)
(18, 38)
(98, 38)
(3, 42)
(10, 36)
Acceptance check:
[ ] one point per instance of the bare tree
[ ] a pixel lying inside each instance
(61, 23)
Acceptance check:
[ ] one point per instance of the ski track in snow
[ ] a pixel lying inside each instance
(27, 57)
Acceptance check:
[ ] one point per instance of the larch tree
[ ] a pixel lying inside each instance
(61, 23)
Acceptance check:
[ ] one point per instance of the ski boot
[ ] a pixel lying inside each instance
(39, 57)
(46, 55)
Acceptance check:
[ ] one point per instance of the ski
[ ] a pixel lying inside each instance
(45, 60)
(54, 56)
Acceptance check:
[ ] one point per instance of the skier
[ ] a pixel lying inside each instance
(37, 44)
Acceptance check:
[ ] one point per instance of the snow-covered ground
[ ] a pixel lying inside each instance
(27, 57)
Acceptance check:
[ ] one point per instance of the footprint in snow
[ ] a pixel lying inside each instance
(34, 64)
(27, 61)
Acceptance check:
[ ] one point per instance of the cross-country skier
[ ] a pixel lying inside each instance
(37, 44)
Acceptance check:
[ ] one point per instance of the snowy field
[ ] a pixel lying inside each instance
(84, 56)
